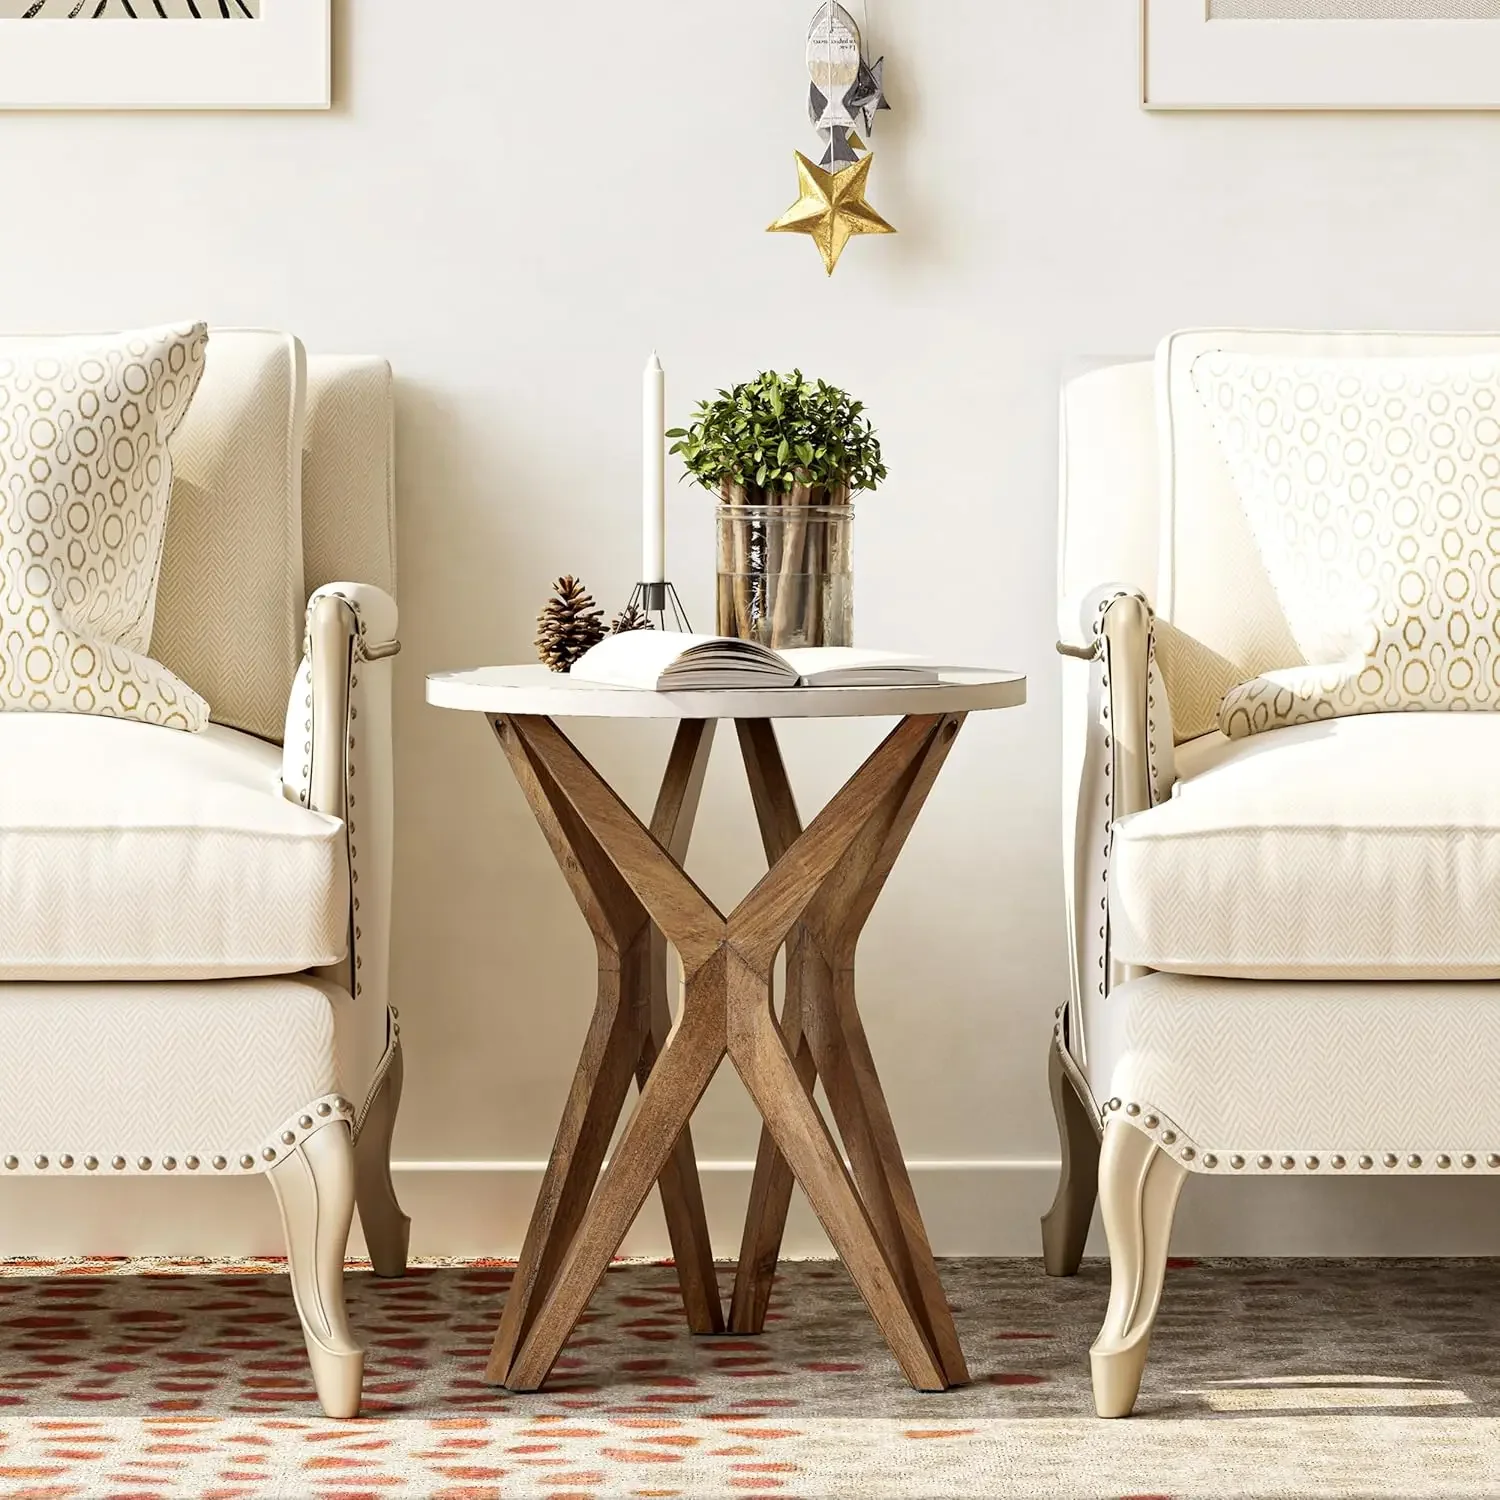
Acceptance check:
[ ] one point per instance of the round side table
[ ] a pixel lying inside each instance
(628, 879)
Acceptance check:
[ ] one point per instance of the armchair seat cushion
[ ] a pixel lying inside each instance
(1364, 848)
(131, 852)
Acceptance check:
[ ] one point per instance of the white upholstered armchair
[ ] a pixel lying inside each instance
(193, 957)
(1285, 938)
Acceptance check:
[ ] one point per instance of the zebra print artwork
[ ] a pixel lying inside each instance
(129, 10)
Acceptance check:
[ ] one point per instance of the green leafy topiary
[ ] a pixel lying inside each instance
(778, 432)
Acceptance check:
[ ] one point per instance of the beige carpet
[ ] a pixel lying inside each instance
(1349, 1379)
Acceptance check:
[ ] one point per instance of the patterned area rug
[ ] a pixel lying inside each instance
(160, 1380)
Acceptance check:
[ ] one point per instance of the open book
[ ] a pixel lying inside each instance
(666, 662)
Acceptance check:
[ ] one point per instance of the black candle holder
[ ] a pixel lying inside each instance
(659, 600)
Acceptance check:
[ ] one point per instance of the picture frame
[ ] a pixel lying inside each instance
(1320, 54)
(174, 55)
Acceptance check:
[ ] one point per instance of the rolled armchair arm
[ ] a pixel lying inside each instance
(337, 760)
(1120, 753)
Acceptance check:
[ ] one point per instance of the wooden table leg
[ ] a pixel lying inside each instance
(681, 1188)
(824, 1001)
(610, 1054)
(771, 1187)
(824, 882)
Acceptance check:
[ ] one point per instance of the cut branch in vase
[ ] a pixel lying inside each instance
(785, 455)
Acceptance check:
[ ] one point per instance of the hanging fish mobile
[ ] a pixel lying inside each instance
(846, 96)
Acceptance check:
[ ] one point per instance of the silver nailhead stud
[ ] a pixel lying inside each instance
(1264, 1163)
(1150, 1122)
(1168, 1137)
(396, 1014)
(269, 1153)
(118, 1163)
(1365, 1163)
(1389, 1160)
(1444, 1163)
(11, 1163)
(144, 1164)
(1312, 1163)
(1492, 1161)
(91, 1164)
(1336, 1162)
(247, 1162)
(305, 1122)
(66, 1163)
(1113, 1104)
(191, 1163)
(41, 1164)
(220, 1163)
(170, 1163)
(1188, 1153)
(1210, 1162)
(1468, 1161)
(325, 1110)
(1288, 1162)
(1414, 1162)
(289, 1138)
(1237, 1162)
(1132, 1110)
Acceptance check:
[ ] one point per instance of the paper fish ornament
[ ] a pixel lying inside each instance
(834, 60)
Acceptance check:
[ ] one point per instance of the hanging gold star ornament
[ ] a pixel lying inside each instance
(832, 208)
(847, 93)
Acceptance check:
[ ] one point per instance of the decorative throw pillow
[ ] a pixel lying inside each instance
(1372, 488)
(85, 480)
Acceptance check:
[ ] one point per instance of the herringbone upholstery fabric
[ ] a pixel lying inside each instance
(229, 615)
(348, 474)
(1361, 848)
(1251, 1066)
(130, 852)
(163, 1070)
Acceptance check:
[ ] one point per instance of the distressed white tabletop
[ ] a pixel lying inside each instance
(534, 690)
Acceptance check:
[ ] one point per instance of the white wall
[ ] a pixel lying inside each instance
(515, 202)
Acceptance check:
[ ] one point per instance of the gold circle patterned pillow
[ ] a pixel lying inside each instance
(85, 481)
(1372, 488)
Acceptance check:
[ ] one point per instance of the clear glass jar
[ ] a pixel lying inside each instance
(786, 575)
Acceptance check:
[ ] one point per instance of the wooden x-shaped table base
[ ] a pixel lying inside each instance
(822, 886)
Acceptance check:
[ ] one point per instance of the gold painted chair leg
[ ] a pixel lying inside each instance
(387, 1229)
(314, 1187)
(1065, 1227)
(1138, 1189)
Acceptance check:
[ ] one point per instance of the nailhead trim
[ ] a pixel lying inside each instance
(1187, 1151)
(324, 1112)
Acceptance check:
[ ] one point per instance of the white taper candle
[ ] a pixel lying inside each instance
(654, 482)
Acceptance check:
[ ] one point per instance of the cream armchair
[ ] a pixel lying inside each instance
(193, 962)
(1285, 948)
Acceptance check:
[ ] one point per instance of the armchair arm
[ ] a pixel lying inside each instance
(1120, 751)
(337, 760)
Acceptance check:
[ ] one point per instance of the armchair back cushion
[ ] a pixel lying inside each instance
(285, 482)
(229, 620)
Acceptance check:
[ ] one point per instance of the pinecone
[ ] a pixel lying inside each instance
(569, 625)
(632, 617)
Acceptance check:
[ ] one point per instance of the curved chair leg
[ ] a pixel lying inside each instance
(314, 1187)
(1138, 1189)
(387, 1229)
(1065, 1228)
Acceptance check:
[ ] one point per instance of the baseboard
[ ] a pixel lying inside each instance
(986, 1208)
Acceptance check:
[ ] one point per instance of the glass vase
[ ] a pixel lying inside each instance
(786, 575)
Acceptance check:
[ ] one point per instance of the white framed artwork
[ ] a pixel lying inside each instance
(1320, 54)
(165, 54)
